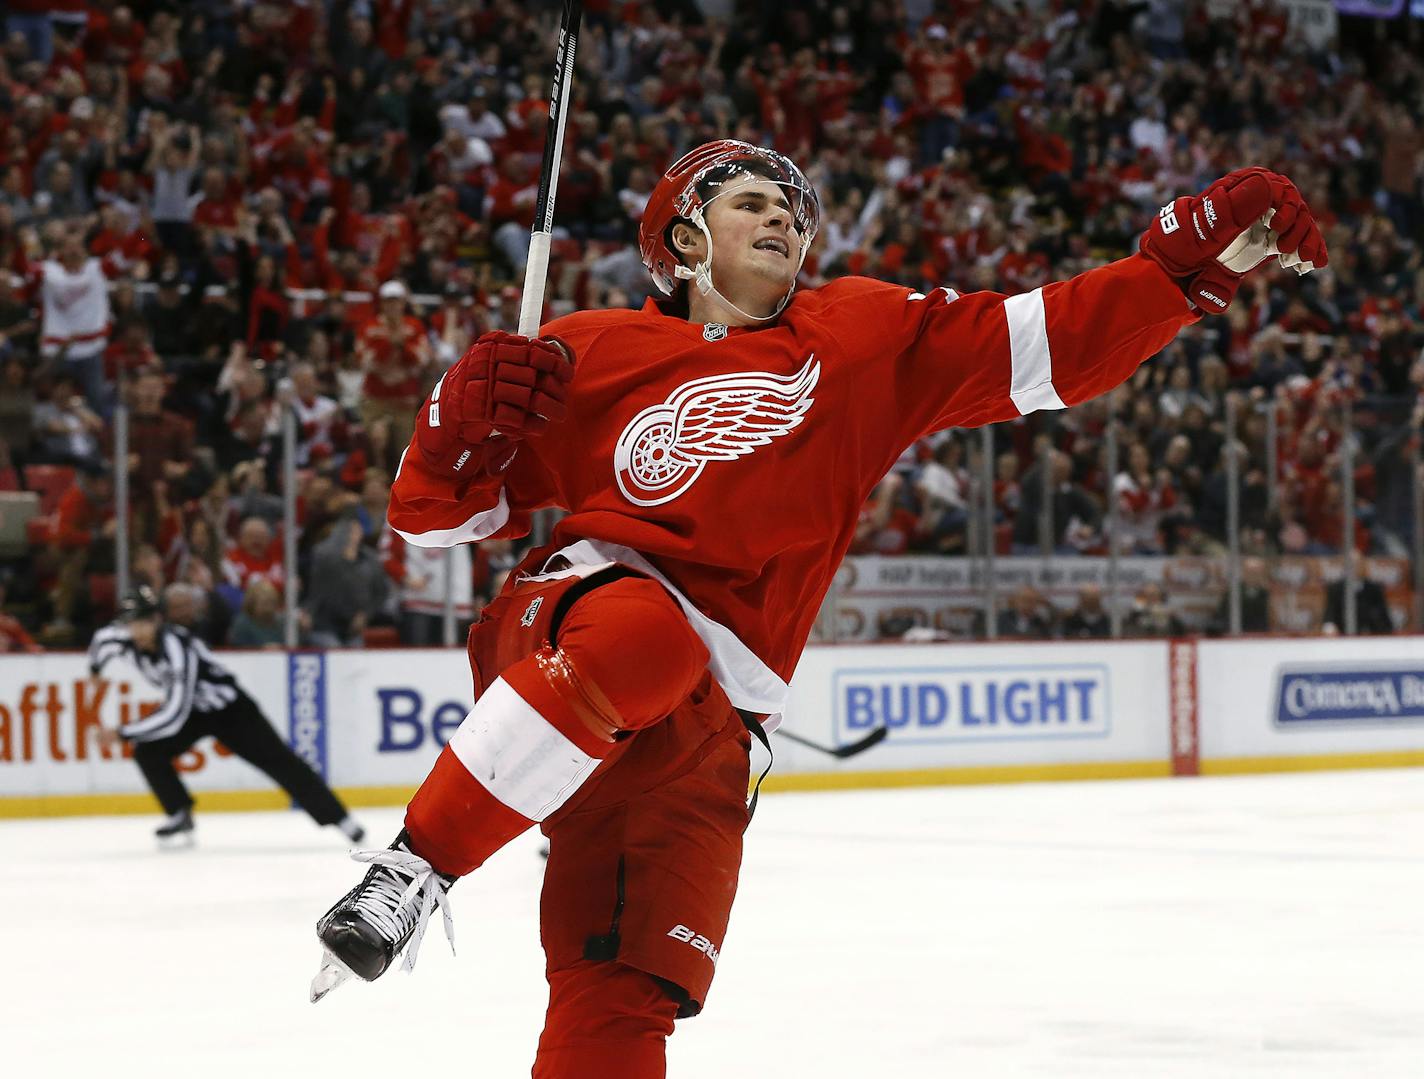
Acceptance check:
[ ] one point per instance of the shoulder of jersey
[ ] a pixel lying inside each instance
(589, 322)
(850, 289)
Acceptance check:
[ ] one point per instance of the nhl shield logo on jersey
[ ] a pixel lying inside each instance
(714, 331)
(664, 448)
(531, 612)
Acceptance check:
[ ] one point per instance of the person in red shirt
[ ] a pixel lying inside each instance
(216, 207)
(254, 555)
(114, 38)
(160, 448)
(84, 533)
(13, 635)
(940, 73)
(509, 205)
(393, 350)
(713, 452)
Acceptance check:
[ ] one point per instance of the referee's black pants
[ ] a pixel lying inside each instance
(243, 728)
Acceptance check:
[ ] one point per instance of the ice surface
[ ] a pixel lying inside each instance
(1263, 926)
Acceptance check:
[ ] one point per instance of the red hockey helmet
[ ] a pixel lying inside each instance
(695, 179)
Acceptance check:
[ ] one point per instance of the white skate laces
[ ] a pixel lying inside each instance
(396, 911)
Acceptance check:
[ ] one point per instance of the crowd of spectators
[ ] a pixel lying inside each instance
(217, 211)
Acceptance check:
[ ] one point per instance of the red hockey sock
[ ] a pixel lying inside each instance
(508, 767)
(454, 822)
(605, 1019)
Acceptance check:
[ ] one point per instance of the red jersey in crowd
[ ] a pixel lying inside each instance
(939, 77)
(321, 426)
(240, 568)
(14, 637)
(732, 464)
(79, 518)
(216, 214)
(392, 348)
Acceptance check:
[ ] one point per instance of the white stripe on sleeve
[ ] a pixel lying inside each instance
(481, 525)
(518, 755)
(1031, 383)
(109, 643)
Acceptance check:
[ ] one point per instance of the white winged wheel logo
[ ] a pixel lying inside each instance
(664, 449)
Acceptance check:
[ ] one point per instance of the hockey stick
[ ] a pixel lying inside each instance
(537, 268)
(874, 738)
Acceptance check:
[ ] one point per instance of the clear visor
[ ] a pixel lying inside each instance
(769, 167)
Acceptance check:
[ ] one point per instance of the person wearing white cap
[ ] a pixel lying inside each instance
(394, 351)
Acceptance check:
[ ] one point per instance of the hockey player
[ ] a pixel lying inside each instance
(201, 698)
(713, 452)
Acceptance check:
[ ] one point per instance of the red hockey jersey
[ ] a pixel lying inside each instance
(732, 464)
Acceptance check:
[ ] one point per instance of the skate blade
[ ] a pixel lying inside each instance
(181, 841)
(333, 973)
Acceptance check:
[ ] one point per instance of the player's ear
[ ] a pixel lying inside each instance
(684, 237)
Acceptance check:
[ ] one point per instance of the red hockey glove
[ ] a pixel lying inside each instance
(1237, 223)
(504, 389)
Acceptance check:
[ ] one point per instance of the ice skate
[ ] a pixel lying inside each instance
(176, 831)
(368, 927)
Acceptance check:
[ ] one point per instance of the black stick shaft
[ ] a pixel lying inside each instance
(537, 268)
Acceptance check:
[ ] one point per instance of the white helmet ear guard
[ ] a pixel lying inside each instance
(701, 274)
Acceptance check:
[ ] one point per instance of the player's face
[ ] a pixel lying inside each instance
(755, 246)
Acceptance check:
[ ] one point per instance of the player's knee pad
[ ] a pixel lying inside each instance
(605, 1013)
(625, 657)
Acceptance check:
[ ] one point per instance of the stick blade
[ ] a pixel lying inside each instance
(870, 741)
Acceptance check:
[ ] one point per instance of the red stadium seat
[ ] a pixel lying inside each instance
(40, 530)
(1004, 538)
(49, 482)
(381, 637)
(103, 594)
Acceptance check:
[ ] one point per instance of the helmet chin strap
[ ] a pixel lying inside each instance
(701, 274)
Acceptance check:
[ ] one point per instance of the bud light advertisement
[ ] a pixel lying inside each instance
(975, 704)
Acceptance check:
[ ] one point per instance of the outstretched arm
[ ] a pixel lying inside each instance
(986, 357)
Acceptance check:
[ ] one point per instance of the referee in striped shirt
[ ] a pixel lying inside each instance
(201, 698)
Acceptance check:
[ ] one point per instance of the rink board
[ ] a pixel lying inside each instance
(373, 722)
(979, 708)
(1287, 704)
(50, 758)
